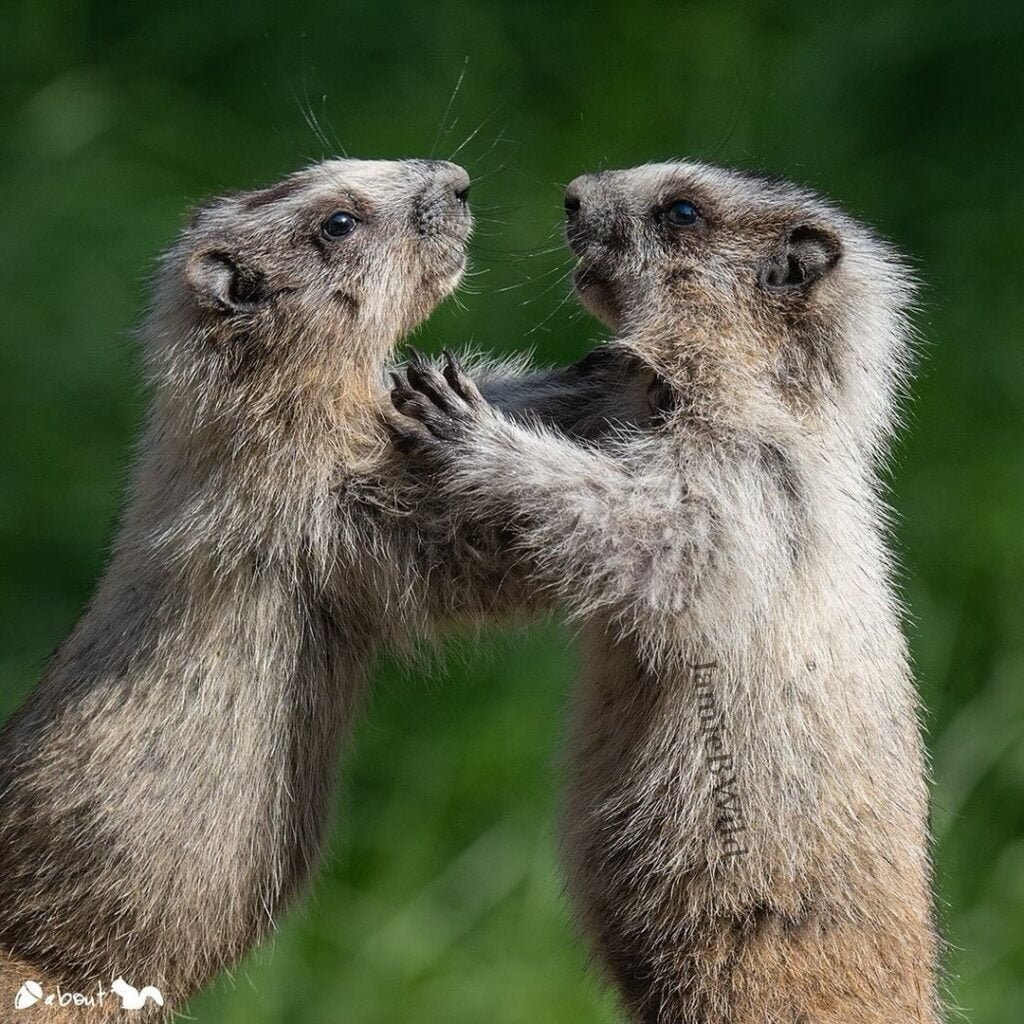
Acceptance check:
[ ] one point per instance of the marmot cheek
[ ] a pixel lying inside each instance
(346, 303)
(678, 279)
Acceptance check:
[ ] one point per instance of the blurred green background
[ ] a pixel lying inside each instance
(441, 899)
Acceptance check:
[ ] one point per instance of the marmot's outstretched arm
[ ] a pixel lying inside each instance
(620, 534)
(606, 390)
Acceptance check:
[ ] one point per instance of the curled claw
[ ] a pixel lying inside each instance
(459, 382)
(403, 396)
(424, 378)
(417, 357)
(444, 403)
(434, 421)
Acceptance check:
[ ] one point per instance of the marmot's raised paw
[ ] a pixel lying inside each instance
(445, 403)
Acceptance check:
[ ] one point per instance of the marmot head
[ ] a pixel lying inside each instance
(317, 275)
(753, 296)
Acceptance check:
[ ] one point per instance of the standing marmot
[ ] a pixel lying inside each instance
(746, 830)
(164, 790)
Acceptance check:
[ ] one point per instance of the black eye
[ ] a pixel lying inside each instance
(339, 224)
(682, 212)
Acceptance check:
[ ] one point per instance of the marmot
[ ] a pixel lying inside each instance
(164, 790)
(746, 831)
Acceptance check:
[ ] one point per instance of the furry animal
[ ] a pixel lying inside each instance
(746, 831)
(165, 788)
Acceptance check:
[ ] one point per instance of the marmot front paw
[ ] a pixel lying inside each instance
(445, 403)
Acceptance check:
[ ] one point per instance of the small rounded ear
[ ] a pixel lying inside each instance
(804, 254)
(221, 281)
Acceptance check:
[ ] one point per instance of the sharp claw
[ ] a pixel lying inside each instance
(452, 373)
(416, 357)
(419, 380)
(437, 387)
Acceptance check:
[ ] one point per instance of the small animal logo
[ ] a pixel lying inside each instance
(28, 995)
(133, 998)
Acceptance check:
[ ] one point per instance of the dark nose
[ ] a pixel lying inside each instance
(452, 179)
(442, 203)
(575, 196)
(586, 219)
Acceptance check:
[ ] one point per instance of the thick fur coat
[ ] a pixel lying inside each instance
(164, 790)
(746, 828)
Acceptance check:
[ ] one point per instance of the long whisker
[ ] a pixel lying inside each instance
(525, 278)
(499, 139)
(561, 279)
(309, 124)
(448, 109)
(490, 174)
(308, 116)
(733, 123)
(516, 285)
(511, 255)
(557, 309)
(334, 134)
(469, 138)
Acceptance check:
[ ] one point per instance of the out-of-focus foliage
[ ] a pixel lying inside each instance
(441, 899)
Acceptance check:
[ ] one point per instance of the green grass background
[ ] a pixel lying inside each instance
(441, 898)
